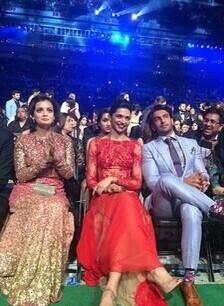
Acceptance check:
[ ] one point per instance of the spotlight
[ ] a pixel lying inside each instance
(96, 12)
(208, 46)
(134, 17)
(202, 46)
(113, 14)
(118, 38)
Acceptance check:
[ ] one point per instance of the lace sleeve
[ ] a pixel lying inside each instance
(91, 176)
(65, 159)
(24, 173)
(134, 183)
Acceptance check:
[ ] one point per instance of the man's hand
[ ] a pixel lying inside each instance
(204, 182)
(195, 180)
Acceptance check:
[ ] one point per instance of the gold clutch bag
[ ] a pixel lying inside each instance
(44, 189)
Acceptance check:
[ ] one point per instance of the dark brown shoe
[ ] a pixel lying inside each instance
(190, 294)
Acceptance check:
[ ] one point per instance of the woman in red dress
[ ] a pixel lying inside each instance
(117, 239)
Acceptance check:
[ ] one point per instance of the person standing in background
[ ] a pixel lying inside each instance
(12, 105)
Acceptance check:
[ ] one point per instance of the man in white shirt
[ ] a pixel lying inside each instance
(71, 106)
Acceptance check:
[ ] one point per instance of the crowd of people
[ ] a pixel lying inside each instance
(51, 156)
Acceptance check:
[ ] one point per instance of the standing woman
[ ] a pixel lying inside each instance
(36, 240)
(117, 239)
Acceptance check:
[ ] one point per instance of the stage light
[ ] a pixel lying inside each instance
(96, 12)
(134, 17)
(208, 46)
(118, 38)
(190, 45)
(202, 46)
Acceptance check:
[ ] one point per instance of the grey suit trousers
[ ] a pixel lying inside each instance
(171, 192)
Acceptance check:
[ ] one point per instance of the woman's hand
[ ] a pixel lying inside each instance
(114, 188)
(104, 184)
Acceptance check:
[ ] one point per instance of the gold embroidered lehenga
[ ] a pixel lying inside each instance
(35, 243)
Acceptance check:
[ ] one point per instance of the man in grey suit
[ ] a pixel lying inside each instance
(174, 171)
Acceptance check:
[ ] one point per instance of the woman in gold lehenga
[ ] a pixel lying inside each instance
(35, 243)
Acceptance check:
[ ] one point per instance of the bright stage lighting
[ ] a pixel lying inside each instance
(118, 38)
(134, 17)
(96, 12)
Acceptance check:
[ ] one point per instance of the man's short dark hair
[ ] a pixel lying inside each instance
(15, 91)
(157, 108)
(214, 110)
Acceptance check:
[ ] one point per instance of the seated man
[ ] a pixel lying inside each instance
(6, 171)
(173, 169)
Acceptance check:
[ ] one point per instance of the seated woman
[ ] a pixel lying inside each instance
(35, 243)
(22, 123)
(216, 168)
(117, 239)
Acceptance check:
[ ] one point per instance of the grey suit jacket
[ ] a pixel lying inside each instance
(157, 160)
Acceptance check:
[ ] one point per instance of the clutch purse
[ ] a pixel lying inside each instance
(44, 189)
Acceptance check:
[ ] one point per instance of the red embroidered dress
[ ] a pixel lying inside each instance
(117, 232)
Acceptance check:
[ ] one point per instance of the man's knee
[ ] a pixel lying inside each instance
(190, 214)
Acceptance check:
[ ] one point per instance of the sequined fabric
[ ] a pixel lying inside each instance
(34, 245)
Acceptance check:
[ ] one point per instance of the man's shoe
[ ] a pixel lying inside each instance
(217, 210)
(190, 294)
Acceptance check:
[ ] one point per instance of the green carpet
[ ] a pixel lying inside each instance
(84, 296)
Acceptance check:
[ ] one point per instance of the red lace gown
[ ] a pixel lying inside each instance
(117, 232)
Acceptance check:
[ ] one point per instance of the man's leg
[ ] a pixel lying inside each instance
(191, 218)
(168, 190)
(178, 192)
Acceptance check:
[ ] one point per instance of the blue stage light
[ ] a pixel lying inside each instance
(118, 38)
(96, 12)
(134, 17)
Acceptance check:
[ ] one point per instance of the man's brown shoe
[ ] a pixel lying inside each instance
(190, 294)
